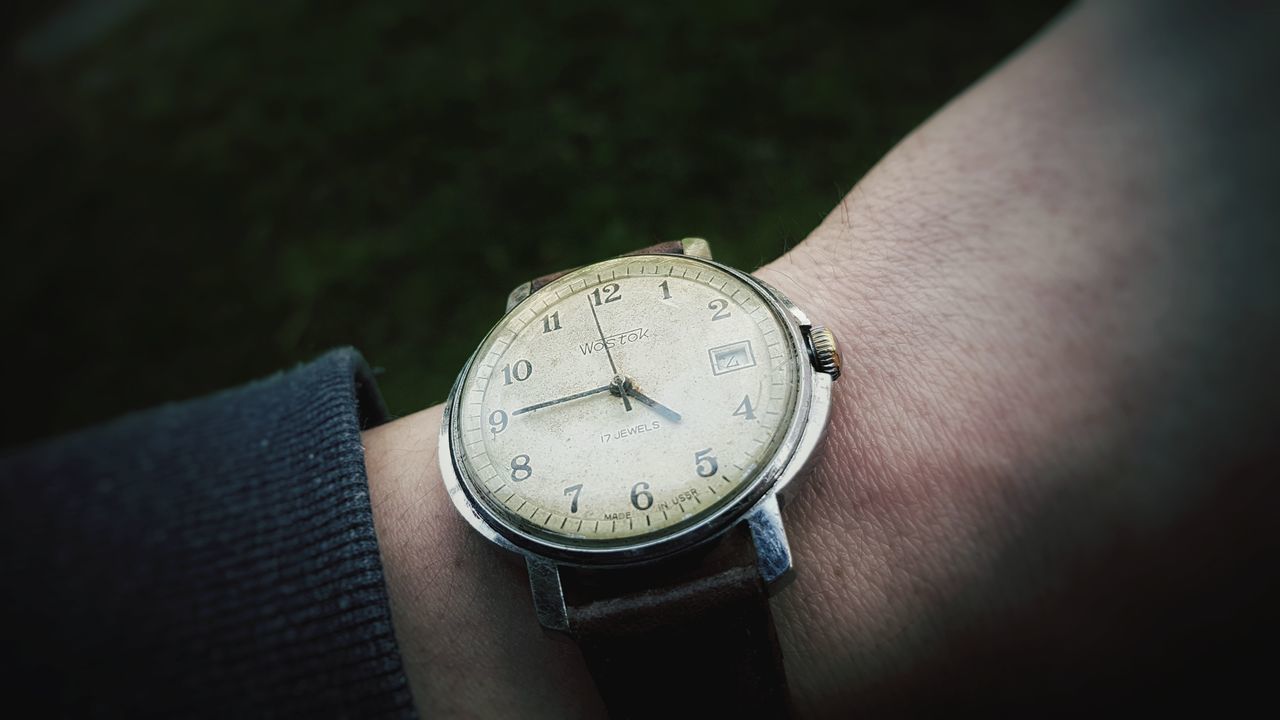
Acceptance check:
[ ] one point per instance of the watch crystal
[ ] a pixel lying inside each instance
(624, 401)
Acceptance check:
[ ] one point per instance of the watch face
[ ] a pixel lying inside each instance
(626, 401)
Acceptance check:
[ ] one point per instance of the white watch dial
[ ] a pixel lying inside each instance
(625, 400)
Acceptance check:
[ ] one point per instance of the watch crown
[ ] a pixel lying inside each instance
(826, 354)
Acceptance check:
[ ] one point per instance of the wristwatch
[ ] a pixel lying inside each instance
(631, 428)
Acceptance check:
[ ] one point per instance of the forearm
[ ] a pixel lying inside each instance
(1021, 287)
(1059, 300)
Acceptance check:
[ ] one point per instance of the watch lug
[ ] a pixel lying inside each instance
(516, 296)
(696, 247)
(773, 553)
(548, 593)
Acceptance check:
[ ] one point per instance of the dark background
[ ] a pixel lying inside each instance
(199, 193)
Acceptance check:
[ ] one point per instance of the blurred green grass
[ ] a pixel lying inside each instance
(206, 192)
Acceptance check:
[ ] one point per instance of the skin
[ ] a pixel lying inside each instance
(1049, 471)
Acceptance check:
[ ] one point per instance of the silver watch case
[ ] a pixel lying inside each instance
(758, 504)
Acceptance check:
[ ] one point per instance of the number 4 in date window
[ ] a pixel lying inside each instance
(732, 357)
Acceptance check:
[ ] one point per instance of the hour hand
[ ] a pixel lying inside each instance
(557, 401)
(661, 409)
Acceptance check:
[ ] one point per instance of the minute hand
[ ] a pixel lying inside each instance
(661, 409)
(557, 401)
(622, 391)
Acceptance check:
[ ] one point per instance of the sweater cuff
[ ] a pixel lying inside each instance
(215, 557)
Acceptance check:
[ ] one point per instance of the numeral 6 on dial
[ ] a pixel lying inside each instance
(641, 498)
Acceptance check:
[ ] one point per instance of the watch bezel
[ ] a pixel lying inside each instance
(791, 452)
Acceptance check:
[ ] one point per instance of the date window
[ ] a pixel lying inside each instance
(731, 357)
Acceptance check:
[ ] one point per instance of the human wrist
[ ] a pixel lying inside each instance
(469, 639)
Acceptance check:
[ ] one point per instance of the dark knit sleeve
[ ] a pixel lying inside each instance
(209, 558)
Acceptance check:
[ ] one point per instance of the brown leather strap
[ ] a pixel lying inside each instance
(687, 637)
(675, 247)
